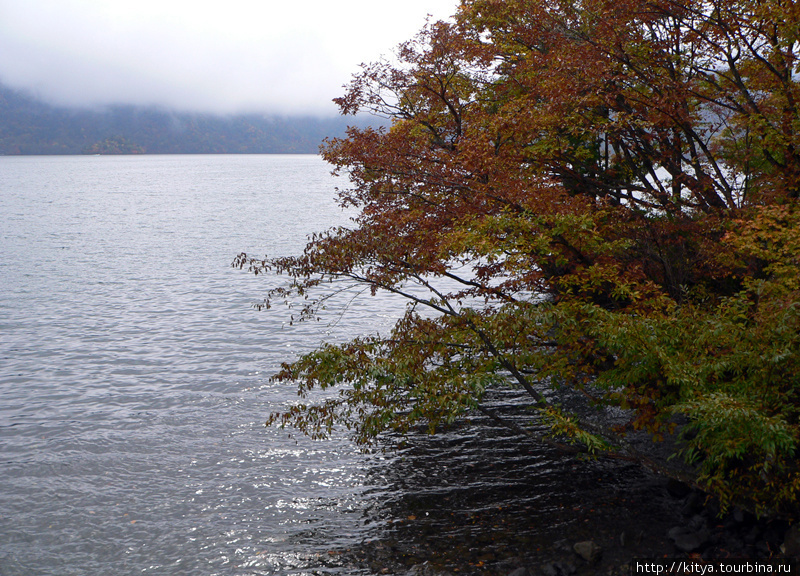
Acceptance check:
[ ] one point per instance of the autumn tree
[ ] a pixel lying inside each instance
(597, 196)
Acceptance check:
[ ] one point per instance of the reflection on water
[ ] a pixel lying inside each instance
(479, 499)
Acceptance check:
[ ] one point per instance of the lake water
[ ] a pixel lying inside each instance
(134, 383)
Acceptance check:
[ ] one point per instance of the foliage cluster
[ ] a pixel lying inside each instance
(592, 195)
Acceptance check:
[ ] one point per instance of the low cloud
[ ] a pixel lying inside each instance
(237, 56)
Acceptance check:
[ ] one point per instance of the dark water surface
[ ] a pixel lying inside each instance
(134, 382)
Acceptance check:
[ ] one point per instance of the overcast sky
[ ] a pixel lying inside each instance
(274, 56)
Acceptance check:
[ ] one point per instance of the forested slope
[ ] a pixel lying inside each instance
(29, 126)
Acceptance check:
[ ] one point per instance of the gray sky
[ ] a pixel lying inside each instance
(277, 56)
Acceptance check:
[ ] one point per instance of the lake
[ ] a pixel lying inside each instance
(134, 383)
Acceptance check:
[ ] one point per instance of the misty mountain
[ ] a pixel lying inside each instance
(30, 126)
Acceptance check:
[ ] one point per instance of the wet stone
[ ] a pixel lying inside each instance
(588, 550)
(687, 540)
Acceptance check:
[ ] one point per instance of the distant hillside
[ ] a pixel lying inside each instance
(29, 126)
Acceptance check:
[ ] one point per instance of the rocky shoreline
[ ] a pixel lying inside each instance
(479, 500)
(698, 534)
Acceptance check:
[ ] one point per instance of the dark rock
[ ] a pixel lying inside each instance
(425, 569)
(693, 504)
(697, 523)
(558, 569)
(763, 549)
(521, 571)
(549, 570)
(687, 540)
(562, 546)
(677, 489)
(731, 542)
(712, 509)
(774, 535)
(753, 535)
(791, 542)
(588, 550)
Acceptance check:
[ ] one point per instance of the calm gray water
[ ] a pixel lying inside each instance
(134, 383)
(134, 372)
